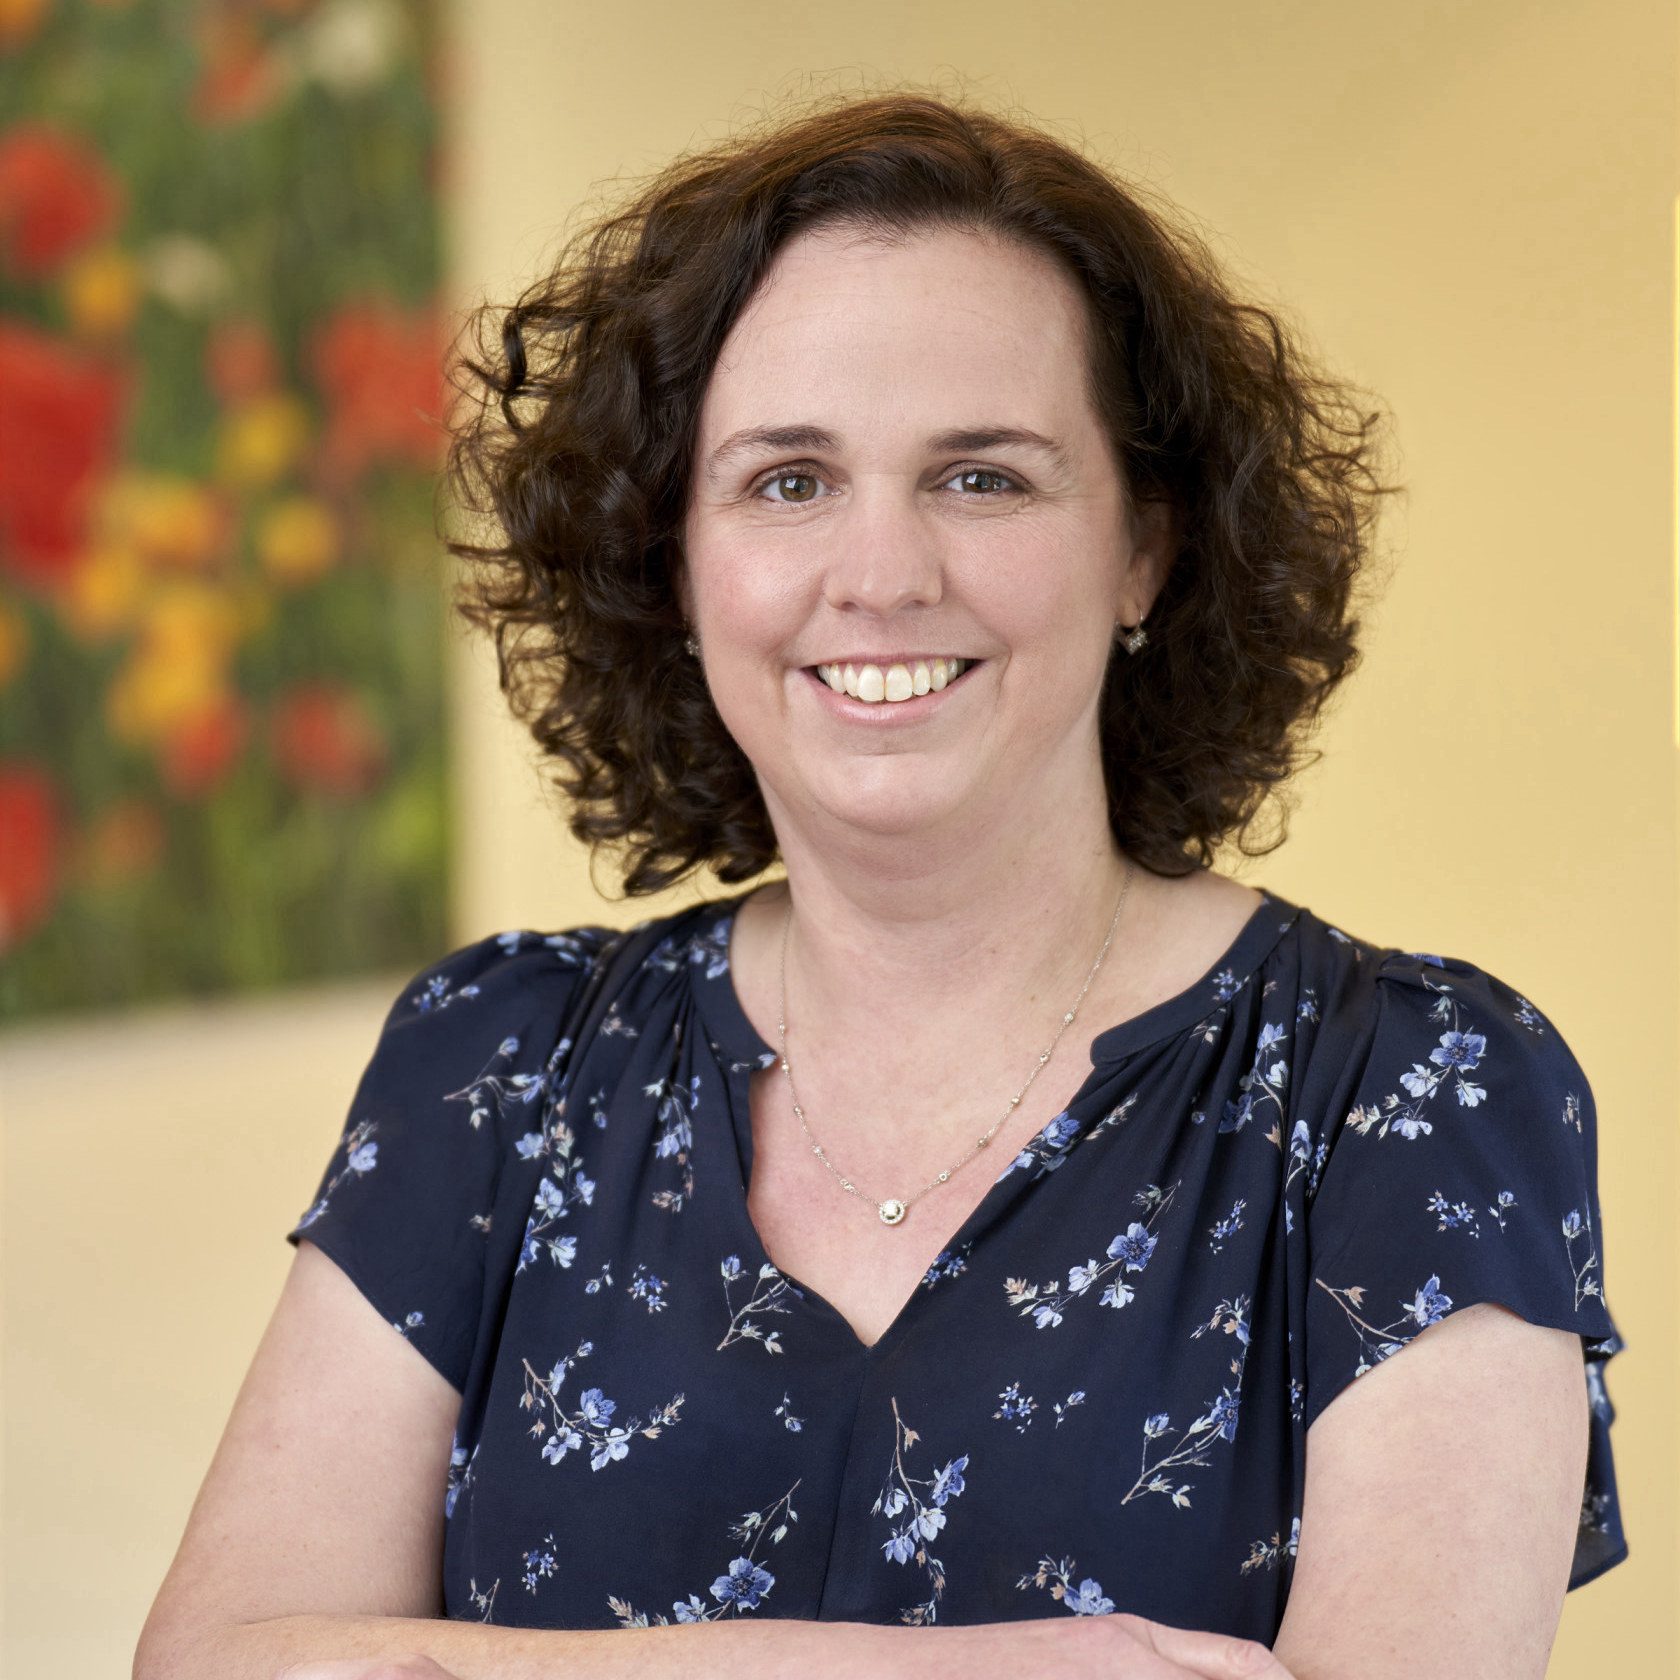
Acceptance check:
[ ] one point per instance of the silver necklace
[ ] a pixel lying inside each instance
(894, 1208)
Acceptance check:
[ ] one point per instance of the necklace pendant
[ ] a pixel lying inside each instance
(892, 1212)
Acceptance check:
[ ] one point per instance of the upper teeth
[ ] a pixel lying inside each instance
(897, 682)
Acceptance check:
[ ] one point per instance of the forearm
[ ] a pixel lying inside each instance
(737, 1650)
(1120, 1647)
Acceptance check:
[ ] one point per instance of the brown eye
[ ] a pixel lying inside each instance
(794, 487)
(984, 483)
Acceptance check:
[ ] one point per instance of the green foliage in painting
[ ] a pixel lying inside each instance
(221, 614)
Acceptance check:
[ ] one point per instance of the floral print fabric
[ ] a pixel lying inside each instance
(1099, 1397)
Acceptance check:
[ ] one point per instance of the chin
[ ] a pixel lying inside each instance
(892, 800)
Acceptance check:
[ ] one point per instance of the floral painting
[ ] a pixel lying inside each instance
(221, 616)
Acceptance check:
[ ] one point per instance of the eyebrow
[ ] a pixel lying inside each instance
(975, 440)
(813, 439)
(777, 440)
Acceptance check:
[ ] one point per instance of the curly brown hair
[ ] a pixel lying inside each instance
(577, 438)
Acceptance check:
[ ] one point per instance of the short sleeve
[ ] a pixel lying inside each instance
(456, 1082)
(1465, 1170)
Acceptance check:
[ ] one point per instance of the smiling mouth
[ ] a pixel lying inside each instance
(892, 684)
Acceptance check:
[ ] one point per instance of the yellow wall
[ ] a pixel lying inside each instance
(152, 1168)
(1471, 209)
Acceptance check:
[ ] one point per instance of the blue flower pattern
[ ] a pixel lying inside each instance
(769, 1294)
(1429, 1305)
(1456, 1056)
(503, 1192)
(1127, 1252)
(361, 1156)
(914, 1507)
(1263, 1086)
(589, 1427)
(1085, 1599)
(744, 1584)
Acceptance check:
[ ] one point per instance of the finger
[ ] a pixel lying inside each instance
(1212, 1656)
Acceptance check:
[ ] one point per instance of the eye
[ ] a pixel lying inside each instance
(792, 487)
(981, 481)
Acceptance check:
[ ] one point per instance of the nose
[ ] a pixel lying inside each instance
(885, 557)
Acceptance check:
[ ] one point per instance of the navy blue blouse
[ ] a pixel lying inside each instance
(1098, 1398)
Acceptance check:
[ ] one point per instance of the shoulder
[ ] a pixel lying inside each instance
(502, 996)
(1450, 1104)
(505, 969)
(523, 968)
(520, 981)
(481, 1023)
(1464, 1006)
(1390, 1040)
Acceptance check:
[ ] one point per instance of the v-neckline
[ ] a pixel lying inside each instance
(746, 1053)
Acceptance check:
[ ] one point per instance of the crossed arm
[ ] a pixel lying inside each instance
(1441, 1503)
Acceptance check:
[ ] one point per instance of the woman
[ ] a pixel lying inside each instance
(891, 494)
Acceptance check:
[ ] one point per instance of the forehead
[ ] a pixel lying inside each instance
(933, 327)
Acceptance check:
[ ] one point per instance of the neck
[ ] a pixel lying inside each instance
(992, 925)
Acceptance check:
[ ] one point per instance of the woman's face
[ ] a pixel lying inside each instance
(899, 463)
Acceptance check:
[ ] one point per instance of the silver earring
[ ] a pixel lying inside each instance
(692, 646)
(1133, 641)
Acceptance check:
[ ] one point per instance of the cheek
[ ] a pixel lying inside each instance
(744, 586)
(1051, 587)
(746, 611)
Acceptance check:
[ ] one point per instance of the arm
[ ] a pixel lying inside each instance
(318, 1532)
(1442, 1496)
(317, 1539)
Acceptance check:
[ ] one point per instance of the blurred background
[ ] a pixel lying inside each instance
(250, 776)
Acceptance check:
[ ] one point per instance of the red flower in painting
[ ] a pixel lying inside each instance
(56, 196)
(325, 742)
(125, 843)
(241, 361)
(29, 847)
(241, 76)
(59, 413)
(202, 751)
(380, 369)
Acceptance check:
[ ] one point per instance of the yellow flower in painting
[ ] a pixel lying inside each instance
(297, 540)
(193, 620)
(176, 524)
(18, 19)
(173, 523)
(153, 696)
(179, 669)
(103, 594)
(261, 442)
(102, 292)
(14, 643)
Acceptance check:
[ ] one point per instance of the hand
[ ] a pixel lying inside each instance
(368, 1668)
(1118, 1647)
(1209, 1656)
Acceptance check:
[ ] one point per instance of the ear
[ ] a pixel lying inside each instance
(1155, 529)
